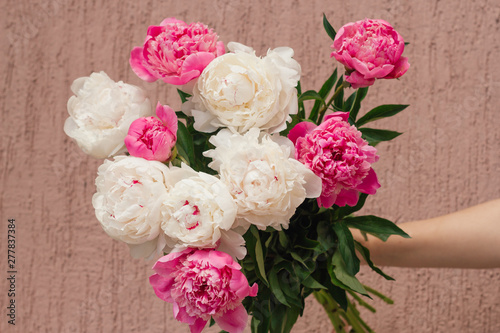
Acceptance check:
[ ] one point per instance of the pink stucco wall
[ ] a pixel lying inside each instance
(73, 278)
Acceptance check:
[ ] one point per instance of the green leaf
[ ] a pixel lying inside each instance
(382, 111)
(184, 96)
(181, 115)
(310, 282)
(339, 295)
(278, 319)
(375, 226)
(269, 240)
(323, 92)
(290, 284)
(290, 319)
(346, 247)
(261, 313)
(299, 259)
(339, 100)
(326, 236)
(302, 112)
(305, 243)
(182, 153)
(283, 319)
(311, 94)
(366, 254)
(349, 102)
(283, 239)
(185, 143)
(340, 274)
(374, 136)
(254, 324)
(275, 286)
(328, 28)
(301, 272)
(290, 125)
(259, 254)
(353, 112)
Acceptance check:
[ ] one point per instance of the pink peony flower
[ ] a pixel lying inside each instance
(152, 138)
(336, 153)
(203, 284)
(370, 49)
(175, 52)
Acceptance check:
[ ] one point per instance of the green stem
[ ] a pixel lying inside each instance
(332, 309)
(379, 295)
(183, 160)
(362, 302)
(360, 324)
(354, 319)
(335, 95)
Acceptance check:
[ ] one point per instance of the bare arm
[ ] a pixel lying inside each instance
(469, 238)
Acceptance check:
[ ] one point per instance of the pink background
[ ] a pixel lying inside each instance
(73, 278)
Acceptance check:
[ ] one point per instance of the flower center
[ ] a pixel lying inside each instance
(237, 88)
(187, 216)
(153, 129)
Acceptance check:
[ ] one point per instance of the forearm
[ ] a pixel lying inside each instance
(465, 239)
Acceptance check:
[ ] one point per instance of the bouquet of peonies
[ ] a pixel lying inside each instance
(246, 194)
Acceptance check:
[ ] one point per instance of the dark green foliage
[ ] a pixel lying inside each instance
(328, 28)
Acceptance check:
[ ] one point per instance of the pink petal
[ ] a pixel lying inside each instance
(401, 46)
(341, 35)
(358, 81)
(168, 117)
(181, 315)
(192, 67)
(254, 290)
(182, 79)
(233, 321)
(136, 62)
(220, 259)
(370, 183)
(162, 286)
(347, 60)
(171, 20)
(221, 49)
(162, 146)
(239, 284)
(399, 68)
(347, 197)
(327, 201)
(301, 130)
(137, 148)
(338, 57)
(198, 325)
(137, 127)
(197, 61)
(167, 264)
(215, 258)
(379, 72)
(360, 66)
(341, 114)
(155, 30)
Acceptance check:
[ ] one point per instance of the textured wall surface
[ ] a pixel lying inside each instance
(73, 278)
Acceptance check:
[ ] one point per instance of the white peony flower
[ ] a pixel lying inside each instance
(263, 178)
(130, 191)
(240, 90)
(199, 212)
(101, 113)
